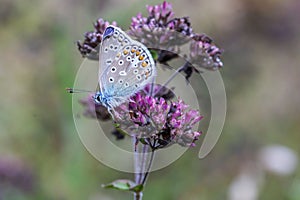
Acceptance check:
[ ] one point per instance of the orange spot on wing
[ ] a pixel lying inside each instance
(141, 58)
(147, 74)
(144, 64)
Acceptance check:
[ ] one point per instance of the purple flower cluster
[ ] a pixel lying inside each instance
(204, 53)
(89, 48)
(163, 32)
(100, 112)
(180, 122)
(157, 123)
(160, 30)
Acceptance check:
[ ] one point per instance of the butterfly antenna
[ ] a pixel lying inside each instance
(73, 90)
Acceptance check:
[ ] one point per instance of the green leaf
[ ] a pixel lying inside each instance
(137, 188)
(119, 129)
(124, 185)
(154, 54)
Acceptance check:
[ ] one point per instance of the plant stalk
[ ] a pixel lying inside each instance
(138, 195)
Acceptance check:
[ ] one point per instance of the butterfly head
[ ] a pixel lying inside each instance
(98, 98)
(101, 99)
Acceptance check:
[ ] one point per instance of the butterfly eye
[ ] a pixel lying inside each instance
(106, 50)
(120, 81)
(127, 48)
(111, 79)
(135, 71)
(126, 41)
(126, 84)
(111, 46)
(128, 58)
(97, 98)
(121, 62)
(138, 77)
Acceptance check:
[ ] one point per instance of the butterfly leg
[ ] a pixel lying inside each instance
(111, 110)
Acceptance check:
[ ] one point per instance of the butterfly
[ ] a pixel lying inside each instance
(125, 67)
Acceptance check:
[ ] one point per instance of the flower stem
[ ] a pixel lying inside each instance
(138, 195)
(137, 174)
(149, 168)
(143, 161)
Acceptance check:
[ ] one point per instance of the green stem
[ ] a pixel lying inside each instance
(138, 195)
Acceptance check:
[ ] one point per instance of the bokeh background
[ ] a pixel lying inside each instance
(41, 156)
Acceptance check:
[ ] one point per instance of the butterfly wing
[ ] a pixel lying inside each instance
(128, 70)
(110, 46)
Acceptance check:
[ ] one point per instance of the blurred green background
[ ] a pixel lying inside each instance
(41, 156)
